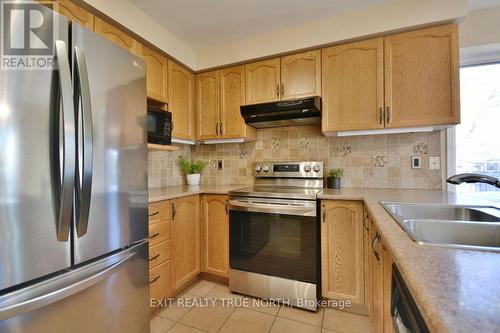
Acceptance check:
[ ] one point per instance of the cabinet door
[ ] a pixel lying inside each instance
(263, 81)
(376, 282)
(208, 105)
(215, 235)
(181, 85)
(116, 36)
(421, 77)
(232, 95)
(342, 250)
(156, 74)
(301, 75)
(185, 240)
(387, 262)
(75, 13)
(353, 86)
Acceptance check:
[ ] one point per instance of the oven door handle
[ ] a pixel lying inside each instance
(237, 205)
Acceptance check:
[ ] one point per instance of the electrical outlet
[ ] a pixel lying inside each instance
(416, 162)
(220, 165)
(434, 162)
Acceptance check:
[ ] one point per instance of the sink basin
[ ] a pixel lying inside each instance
(405, 211)
(459, 226)
(459, 234)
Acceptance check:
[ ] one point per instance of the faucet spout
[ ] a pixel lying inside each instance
(473, 178)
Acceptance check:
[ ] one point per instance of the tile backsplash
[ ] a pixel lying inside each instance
(373, 161)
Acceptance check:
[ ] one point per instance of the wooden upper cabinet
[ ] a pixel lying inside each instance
(156, 74)
(342, 251)
(421, 77)
(232, 96)
(215, 235)
(263, 81)
(185, 240)
(208, 105)
(116, 36)
(353, 86)
(75, 13)
(301, 75)
(181, 87)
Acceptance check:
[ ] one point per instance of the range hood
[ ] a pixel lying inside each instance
(304, 111)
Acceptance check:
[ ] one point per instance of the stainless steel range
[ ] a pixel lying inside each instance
(274, 234)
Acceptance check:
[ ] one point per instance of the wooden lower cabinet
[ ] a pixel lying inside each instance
(342, 251)
(185, 230)
(215, 224)
(159, 251)
(380, 284)
(159, 281)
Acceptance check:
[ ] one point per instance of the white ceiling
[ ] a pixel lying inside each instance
(483, 4)
(200, 23)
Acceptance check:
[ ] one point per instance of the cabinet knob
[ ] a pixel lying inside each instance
(278, 91)
(323, 213)
(174, 211)
(374, 246)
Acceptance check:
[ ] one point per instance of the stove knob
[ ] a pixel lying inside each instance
(258, 168)
(316, 168)
(307, 168)
(265, 168)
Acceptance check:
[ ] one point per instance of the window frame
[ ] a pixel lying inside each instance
(481, 55)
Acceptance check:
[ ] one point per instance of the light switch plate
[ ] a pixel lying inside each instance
(416, 162)
(434, 162)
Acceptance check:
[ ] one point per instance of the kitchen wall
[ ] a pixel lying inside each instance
(376, 161)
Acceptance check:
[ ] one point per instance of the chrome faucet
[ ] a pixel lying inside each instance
(473, 178)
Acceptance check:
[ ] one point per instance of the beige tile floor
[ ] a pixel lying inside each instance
(247, 317)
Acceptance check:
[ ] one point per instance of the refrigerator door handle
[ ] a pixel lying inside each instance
(84, 186)
(30, 300)
(67, 149)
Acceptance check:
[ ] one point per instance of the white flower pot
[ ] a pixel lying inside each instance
(193, 179)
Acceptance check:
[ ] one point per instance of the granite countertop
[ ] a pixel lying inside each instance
(172, 192)
(455, 290)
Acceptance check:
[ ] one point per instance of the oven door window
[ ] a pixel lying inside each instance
(274, 244)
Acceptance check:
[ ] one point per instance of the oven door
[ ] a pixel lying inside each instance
(275, 237)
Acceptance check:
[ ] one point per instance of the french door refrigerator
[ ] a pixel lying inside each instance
(73, 190)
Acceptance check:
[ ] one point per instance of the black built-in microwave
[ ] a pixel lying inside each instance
(159, 126)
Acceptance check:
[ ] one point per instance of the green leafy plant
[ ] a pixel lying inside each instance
(336, 173)
(191, 167)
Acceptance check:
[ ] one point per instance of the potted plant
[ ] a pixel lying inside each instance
(333, 181)
(192, 170)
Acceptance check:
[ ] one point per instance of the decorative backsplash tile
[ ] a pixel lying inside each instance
(373, 161)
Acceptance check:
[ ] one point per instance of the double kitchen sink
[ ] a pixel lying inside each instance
(457, 226)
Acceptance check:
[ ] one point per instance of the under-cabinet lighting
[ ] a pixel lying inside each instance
(384, 131)
(210, 142)
(182, 141)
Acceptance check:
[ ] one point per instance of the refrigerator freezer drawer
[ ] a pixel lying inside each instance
(159, 211)
(110, 295)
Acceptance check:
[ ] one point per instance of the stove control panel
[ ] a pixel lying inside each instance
(289, 169)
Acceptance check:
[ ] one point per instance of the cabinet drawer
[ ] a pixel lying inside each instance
(159, 253)
(159, 281)
(159, 211)
(159, 232)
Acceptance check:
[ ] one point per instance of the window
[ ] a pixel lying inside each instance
(478, 135)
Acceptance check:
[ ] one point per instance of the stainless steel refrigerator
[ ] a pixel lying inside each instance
(73, 190)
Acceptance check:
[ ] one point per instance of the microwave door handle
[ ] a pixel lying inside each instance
(85, 188)
(65, 144)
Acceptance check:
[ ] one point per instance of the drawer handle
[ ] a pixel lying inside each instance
(154, 214)
(155, 235)
(374, 245)
(155, 279)
(154, 257)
